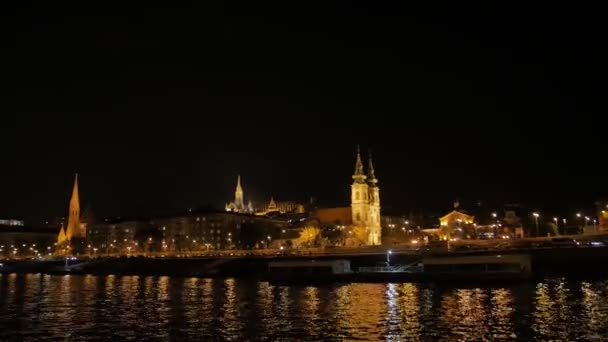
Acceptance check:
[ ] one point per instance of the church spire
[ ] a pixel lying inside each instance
(61, 237)
(75, 200)
(359, 175)
(371, 175)
(238, 195)
(73, 229)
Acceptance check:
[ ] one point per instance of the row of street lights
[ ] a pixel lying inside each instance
(564, 220)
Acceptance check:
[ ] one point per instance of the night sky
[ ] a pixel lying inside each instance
(158, 109)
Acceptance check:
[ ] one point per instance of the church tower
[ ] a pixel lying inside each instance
(238, 194)
(71, 239)
(61, 237)
(359, 194)
(374, 227)
(74, 228)
(238, 205)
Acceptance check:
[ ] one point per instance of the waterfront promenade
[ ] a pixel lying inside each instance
(582, 258)
(457, 247)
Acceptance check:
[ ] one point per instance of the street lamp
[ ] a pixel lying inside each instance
(595, 225)
(556, 220)
(388, 257)
(494, 216)
(536, 215)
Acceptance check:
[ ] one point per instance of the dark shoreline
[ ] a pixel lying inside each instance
(585, 263)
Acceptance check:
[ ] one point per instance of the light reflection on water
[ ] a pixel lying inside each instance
(38, 307)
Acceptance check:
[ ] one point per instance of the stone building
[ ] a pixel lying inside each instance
(281, 207)
(365, 201)
(196, 231)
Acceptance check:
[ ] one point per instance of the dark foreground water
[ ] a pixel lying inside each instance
(41, 307)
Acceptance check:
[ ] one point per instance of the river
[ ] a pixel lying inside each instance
(89, 308)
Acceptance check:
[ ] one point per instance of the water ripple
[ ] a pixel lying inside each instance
(88, 308)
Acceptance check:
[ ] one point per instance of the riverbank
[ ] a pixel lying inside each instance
(587, 262)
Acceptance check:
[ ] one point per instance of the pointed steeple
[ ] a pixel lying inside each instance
(238, 195)
(73, 229)
(75, 200)
(359, 175)
(371, 175)
(61, 237)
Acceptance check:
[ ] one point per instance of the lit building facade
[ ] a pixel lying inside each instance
(12, 222)
(282, 207)
(197, 231)
(455, 224)
(365, 201)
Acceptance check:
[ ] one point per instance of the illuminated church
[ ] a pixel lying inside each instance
(238, 205)
(75, 230)
(365, 201)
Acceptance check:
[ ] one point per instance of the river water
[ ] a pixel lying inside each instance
(89, 308)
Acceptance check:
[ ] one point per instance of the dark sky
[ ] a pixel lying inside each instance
(159, 108)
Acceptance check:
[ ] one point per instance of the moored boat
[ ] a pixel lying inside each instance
(438, 269)
(478, 267)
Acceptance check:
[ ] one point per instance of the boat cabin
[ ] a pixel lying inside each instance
(515, 263)
(310, 266)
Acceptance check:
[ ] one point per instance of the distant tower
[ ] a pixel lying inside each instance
(359, 194)
(238, 205)
(373, 225)
(238, 194)
(70, 239)
(61, 238)
(272, 206)
(74, 228)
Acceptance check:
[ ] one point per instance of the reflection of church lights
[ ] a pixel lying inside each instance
(392, 311)
(312, 301)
